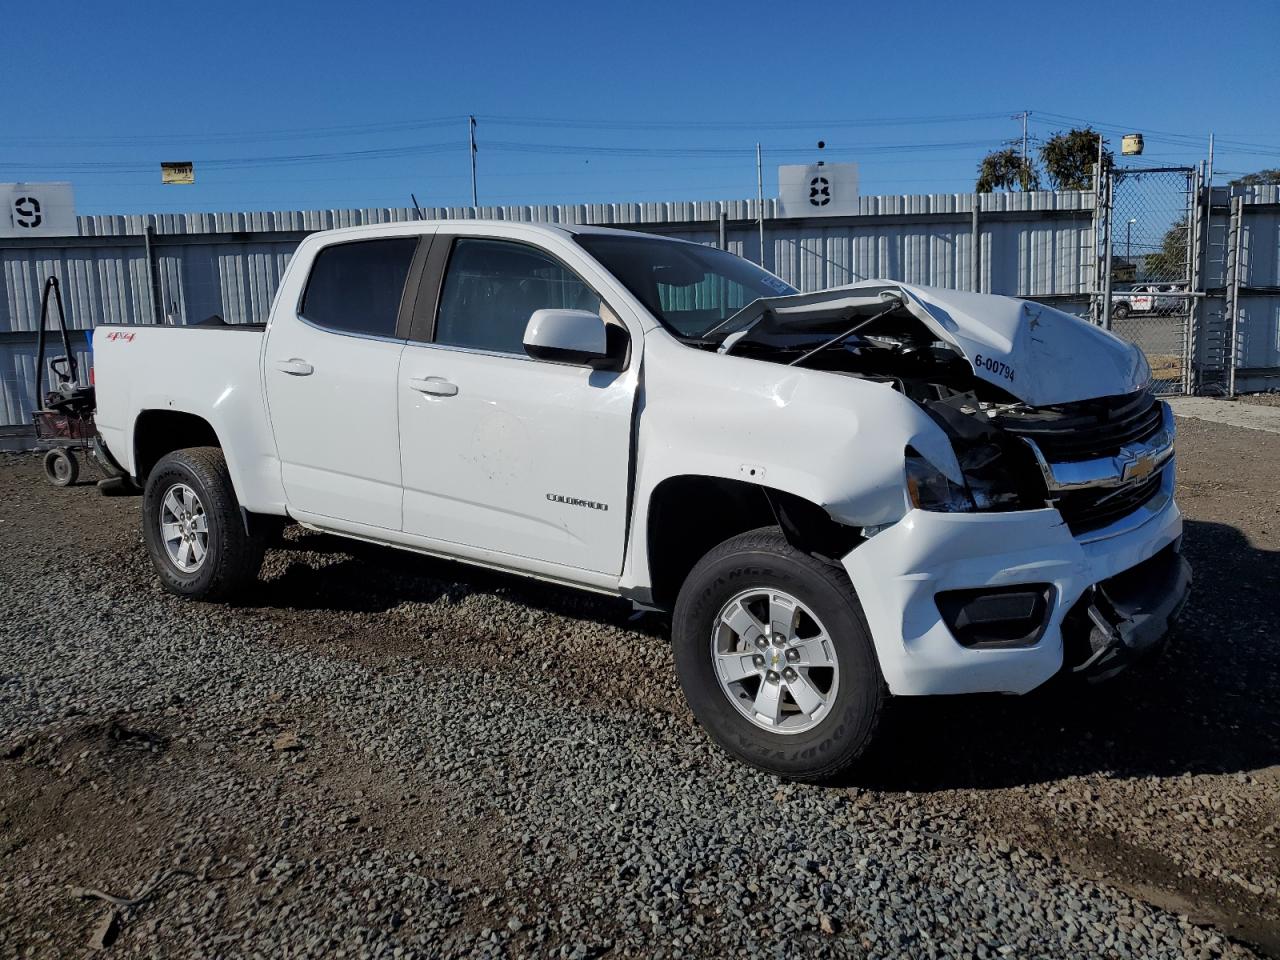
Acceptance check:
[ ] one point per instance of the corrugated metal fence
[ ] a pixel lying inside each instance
(183, 268)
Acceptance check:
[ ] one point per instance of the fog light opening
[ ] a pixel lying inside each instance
(997, 617)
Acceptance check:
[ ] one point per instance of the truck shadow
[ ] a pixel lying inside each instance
(1209, 704)
(350, 576)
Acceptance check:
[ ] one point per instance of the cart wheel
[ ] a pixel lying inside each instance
(60, 467)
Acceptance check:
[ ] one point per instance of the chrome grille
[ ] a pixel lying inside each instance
(1093, 509)
(1089, 429)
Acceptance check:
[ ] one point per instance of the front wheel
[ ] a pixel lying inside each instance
(775, 657)
(1120, 311)
(193, 527)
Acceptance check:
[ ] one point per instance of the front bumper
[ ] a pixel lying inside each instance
(898, 573)
(1128, 617)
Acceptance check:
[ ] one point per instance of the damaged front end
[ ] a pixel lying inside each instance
(1055, 545)
(1088, 439)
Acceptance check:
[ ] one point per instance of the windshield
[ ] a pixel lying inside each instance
(690, 288)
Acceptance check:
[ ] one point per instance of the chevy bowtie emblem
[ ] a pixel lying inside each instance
(1139, 467)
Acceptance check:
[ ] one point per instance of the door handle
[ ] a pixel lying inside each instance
(436, 386)
(295, 367)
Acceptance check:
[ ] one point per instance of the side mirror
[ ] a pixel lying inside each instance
(569, 336)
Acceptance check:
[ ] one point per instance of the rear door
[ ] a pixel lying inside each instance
(331, 360)
(502, 453)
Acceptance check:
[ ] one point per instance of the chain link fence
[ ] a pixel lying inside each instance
(1148, 260)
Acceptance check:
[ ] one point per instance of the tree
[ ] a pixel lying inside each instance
(1259, 179)
(1069, 158)
(1170, 261)
(1005, 170)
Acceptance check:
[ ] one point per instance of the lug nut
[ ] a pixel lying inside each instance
(772, 676)
(790, 674)
(779, 639)
(793, 656)
(758, 660)
(761, 643)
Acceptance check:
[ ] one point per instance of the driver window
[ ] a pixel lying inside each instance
(492, 287)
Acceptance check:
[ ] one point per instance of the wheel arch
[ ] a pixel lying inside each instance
(689, 514)
(157, 433)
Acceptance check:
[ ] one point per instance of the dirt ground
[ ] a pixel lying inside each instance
(1164, 785)
(1271, 399)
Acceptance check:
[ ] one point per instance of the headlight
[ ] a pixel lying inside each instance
(928, 488)
(991, 483)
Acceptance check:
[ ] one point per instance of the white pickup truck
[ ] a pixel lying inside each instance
(875, 490)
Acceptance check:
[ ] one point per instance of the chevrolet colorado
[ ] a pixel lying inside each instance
(874, 490)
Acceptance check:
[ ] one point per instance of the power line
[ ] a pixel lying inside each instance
(571, 123)
(1167, 136)
(403, 126)
(595, 150)
(265, 136)
(500, 146)
(380, 153)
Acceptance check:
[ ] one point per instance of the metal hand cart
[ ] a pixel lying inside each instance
(64, 422)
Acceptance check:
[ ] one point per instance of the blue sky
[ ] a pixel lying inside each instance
(342, 104)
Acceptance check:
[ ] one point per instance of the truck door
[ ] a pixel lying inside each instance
(501, 452)
(330, 361)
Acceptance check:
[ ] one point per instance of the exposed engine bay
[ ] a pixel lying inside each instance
(891, 346)
(1002, 443)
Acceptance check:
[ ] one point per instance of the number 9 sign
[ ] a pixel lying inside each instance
(37, 210)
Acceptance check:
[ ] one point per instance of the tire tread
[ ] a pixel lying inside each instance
(772, 543)
(239, 557)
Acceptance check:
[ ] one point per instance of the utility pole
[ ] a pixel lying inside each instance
(471, 130)
(760, 200)
(1024, 174)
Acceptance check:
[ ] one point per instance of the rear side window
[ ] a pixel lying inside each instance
(492, 287)
(356, 287)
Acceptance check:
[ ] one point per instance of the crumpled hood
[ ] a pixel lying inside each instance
(1040, 355)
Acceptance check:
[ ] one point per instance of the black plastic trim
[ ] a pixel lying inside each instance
(997, 618)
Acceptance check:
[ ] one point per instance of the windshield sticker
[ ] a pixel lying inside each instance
(993, 366)
(774, 283)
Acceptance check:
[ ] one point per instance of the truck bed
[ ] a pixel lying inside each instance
(212, 372)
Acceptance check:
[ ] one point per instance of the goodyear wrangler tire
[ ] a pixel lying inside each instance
(775, 657)
(193, 527)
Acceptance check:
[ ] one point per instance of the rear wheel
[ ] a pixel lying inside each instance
(193, 527)
(61, 467)
(1119, 311)
(775, 657)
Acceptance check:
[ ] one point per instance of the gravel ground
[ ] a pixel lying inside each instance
(378, 755)
(1271, 399)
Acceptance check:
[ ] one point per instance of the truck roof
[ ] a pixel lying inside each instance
(422, 226)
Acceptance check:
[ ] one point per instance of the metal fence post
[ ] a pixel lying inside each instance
(975, 257)
(1194, 281)
(724, 230)
(1109, 193)
(1235, 267)
(760, 200)
(153, 287)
